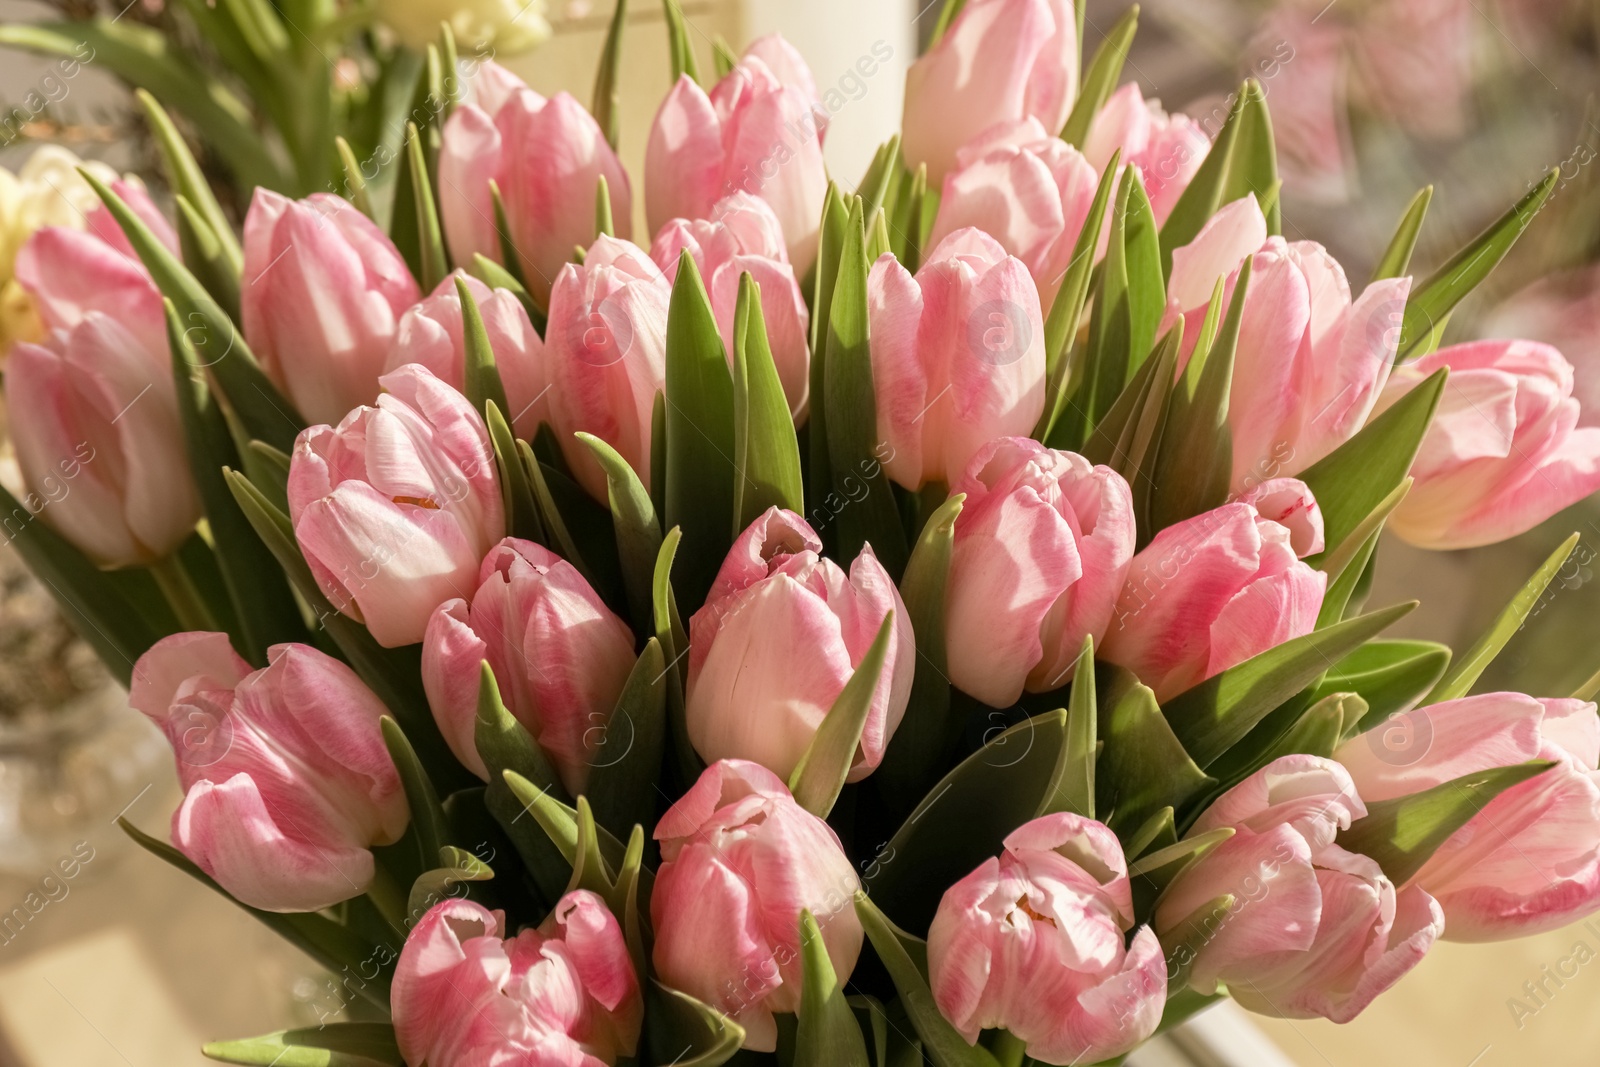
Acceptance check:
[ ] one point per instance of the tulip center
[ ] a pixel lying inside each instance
(1027, 909)
(417, 501)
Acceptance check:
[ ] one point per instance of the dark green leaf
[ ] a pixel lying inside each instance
(607, 103)
(189, 182)
(1396, 259)
(686, 1033)
(638, 530)
(821, 773)
(1390, 676)
(432, 264)
(766, 451)
(480, 376)
(828, 1035)
(1143, 767)
(626, 763)
(1101, 77)
(427, 818)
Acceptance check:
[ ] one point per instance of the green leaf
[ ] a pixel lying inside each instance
(686, 1033)
(675, 645)
(203, 255)
(510, 256)
(1238, 145)
(437, 884)
(828, 1035)
(1101, 77)
(1467, 669)
(1253, 160)
(1390, 676)
(427, 818)
(495, 276)
(879, 179)
(1185, 939)
(328, 1045)
(1396, 259)
(638, 530)
(481, 376)
(947, 15)
(517, 499)
(1143, 767)
(432, 263)
(679, 43)
(765, 448)
(1128, 439)
(189, 182)
(1164, 864)
(1075, 792)
(607, 105)
(354, 187)
(1355, 478)
(1212, 717)
(561, 506)
(1309, 723)
(1431, 303)
(603, 222)
(1352, 553)
(825, 276)
(821, 773)
(626, 763)
(724, 56)
(1403, 834)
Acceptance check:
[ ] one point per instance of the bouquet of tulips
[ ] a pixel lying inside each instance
(922, 624)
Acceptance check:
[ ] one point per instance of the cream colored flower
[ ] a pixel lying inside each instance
(509, 25)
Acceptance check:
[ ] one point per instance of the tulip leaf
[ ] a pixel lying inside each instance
(589, 869)
(1107, 365)
(626, 763)
(848, 397)
(1431, 302)
(1396, 259)
(1203, 196)
(1101, 77)
(355, 182)
(1188, 936)
(495, 276)
(1353, 480)
(828, 1034)
(1142, 767)
(202, 253)
(766, 451)
(907, 225)
(259, 405)
(822, 282)
(1313, 723)
(1075, 792)
(604, 225)
(1164, 864)
(906, 959)
(1390, 677)
(879, 182)
(1402, 834)
(1158, 831)
(1210, 718)
(929, 732)
(626, 903)
(637, 529)
(1128, 439)
(552, 521)
(686, 1033)
(964, 819)
(1352, 553)
(431, 264)
(438, 884)
(427, 818)
(328, 1045)
(1466, 670)
(1253, 157)
(188, 181)
(516, 494)
(947, 15)
(331, 945)
(822, 771)
(504, 744)
(674, 640)
(481, 376)
(607, 105)
(679, 43)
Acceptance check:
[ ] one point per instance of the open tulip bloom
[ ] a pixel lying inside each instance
(833, 629)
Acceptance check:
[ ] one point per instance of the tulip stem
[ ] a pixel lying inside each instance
(1007, 1049)
(177, 585)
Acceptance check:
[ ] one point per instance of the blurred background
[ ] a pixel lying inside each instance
(107, 957)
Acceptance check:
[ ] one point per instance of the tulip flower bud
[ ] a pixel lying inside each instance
(957, 356)
(1311, 929)
(323, 291)
(562, 995)
(743, 236)
(547, 158)
(509, 25)
(396, 506)
(1167, 149)
(287, 783)
(749, 696)
(1216, 589)
(1530, 860)
(1026, 188)
(757, 132)
(1042, 548)
(606, 356)
(1504, 452)
(430, 333)
(999, 61)
(559, 655)
(94, 419)
(739, 861)
(1033, 942)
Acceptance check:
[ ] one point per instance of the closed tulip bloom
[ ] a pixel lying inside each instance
(395, 507)
(547, 158)
(287, 783)
(430, 333)
(1562, 310)
(749, 695)
(1033, 942)
(1216, 589)
(957, 356)
(562, 995)
(999, 61)
(606, 356)
(1026, 188)
(94, 420)
(1312, 930)
(1167, 149)
(1530, 860)
(1042, 548)
(739, 861)
(1504, 452)
(559, 655)
(743, 236)
(756, 132)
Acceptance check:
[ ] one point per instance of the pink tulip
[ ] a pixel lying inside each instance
(70, 273)
(1530, 860)
(1026, 188)
(1312, 930)
(757, 132)
(739, 861)
(1563, 311)
(606, 356)
(749, 696)
(1505, 451)
(396, 506)
(999, 61)
(1301, 61)
(1042, 548)
(559, 655)
(430, 334)
(322, 293)
(1214, 590)
(287, 783)
(95, 423)
(1167, 149)
(957, 356)
(561, 995)
(743, 236)
(547, 157)
(1310, 362)
(1033, 942)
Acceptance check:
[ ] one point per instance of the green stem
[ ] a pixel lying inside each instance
(1007, 1048)
(179, 589)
